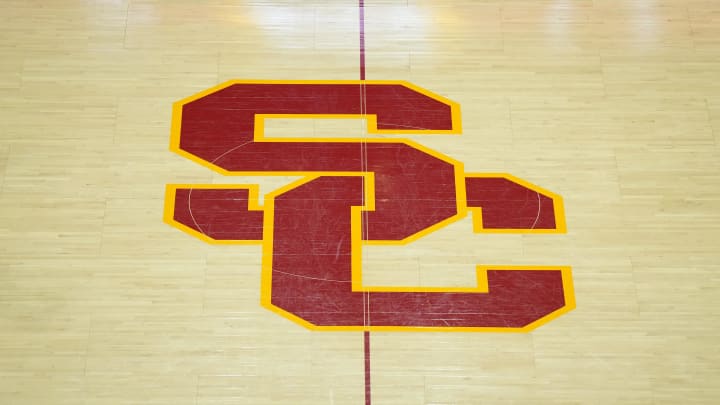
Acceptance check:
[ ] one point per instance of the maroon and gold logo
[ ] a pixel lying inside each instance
(354, 192)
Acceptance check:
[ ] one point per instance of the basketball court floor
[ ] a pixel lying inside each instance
(353, 202)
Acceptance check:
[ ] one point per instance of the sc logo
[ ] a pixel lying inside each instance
(355, 192)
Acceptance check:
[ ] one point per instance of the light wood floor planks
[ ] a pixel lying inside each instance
(615, 105)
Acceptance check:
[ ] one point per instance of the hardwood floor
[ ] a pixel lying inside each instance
(614, 105)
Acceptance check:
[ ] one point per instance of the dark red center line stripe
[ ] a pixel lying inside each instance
(367, 368)
(366, 334)
(362, 39)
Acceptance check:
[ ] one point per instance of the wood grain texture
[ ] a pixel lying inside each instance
(615, 105)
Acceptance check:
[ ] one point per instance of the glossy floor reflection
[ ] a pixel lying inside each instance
(613, 105)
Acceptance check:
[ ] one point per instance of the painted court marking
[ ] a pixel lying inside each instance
(366, 334)
(387, 192)
(337, 196)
